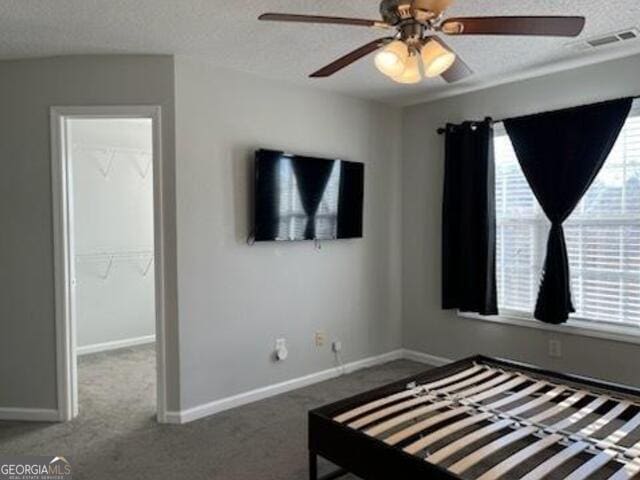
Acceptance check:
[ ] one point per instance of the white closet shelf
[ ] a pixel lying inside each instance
(144, 260)
(105, 156)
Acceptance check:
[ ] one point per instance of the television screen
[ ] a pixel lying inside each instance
(306, 198)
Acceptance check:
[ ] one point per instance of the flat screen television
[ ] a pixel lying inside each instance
(306, 198)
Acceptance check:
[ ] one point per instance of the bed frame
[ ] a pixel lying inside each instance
(484, 419)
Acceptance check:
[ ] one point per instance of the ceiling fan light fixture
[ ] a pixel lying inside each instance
(436, 58)
(412, 73)
(392, 59)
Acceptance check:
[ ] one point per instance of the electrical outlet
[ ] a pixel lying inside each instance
(321, 339)
(281, 352)
(336, 346)
(555, 348)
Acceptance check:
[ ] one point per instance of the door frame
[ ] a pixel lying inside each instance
(66, 359)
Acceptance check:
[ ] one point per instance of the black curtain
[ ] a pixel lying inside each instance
(468, 220)
(312, 176)
(560, 154)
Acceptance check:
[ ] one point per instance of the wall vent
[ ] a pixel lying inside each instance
(598, 42)
(605, 40)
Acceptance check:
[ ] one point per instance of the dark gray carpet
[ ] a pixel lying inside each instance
(116, 437)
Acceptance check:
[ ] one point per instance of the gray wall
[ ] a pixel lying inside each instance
(113, 215)
(426, 327)
(27, 89)
(235, 300)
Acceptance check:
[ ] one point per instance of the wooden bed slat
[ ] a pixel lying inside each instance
(592, 466)
(556, 461)
(580, 414)
(555, 410)
(419, 427)
(400, 419)
(627, 472)
(544, 398)
(361, 410)
(620, 433)
(517, 396)
(432, 438)
(385, 412)
(465, 383)
(470, 460)
(485, 386)
(499, 389)
(448, 450)
(634, 450)
(519, 457)
(603, 421)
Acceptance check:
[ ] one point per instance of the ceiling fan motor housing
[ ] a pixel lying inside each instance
(412, 33)
(395, 11)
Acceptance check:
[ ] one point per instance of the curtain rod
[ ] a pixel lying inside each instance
(442, 130)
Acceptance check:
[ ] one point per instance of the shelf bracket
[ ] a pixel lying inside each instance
(107, 271)
(143, 169)
(105, 169)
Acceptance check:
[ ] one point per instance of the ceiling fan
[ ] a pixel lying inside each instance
(414, 43)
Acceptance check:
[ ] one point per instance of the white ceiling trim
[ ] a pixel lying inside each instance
(592, 58)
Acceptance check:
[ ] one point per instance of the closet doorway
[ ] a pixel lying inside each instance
(107, 192)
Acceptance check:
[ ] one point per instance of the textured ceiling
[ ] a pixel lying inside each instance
(228, 34)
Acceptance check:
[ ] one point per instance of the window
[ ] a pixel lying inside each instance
(602, 235)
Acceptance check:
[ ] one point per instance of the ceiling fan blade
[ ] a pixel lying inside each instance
(287, 17)
(543, 26)
(350, 58)
(459, 70)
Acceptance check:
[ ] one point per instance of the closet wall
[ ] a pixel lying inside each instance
(113, 232)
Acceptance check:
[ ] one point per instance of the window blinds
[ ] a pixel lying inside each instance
(602, 235)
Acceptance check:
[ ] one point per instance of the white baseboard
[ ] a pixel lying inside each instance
(217, 406)
(221, 405)
(425, 358)
(115, 345)
(29, 414)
